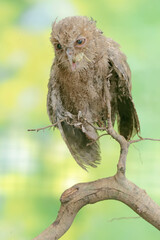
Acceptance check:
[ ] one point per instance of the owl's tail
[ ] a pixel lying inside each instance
(128, 122)
(84, 151)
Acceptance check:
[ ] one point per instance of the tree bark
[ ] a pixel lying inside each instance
(121, 189)
(117, 187)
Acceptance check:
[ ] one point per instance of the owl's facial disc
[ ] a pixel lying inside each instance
(74, 59)
(70, 54)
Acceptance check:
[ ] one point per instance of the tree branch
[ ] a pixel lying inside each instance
(143, 139)
(117, 187)
(73, 199)
(43, 128)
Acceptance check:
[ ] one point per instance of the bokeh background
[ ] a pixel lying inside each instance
(35, 168)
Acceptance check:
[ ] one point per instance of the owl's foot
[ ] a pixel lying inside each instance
(65, 115)
(80, 116)
(69, 115)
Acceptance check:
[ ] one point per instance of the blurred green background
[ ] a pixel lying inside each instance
(35, 168)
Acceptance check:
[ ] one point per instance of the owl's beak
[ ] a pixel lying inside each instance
(72, 60)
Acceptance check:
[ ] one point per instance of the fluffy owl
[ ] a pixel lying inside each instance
(87, 63)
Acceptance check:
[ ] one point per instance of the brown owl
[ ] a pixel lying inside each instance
(85, 64)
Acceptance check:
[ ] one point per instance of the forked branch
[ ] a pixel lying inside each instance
(117, 187)
(76, 197)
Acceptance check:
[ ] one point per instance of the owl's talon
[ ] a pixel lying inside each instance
(79, 115)
(68, 114)
(78, 124)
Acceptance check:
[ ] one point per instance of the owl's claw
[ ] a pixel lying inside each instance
(78, 124)
(79, 115)
(68, 114)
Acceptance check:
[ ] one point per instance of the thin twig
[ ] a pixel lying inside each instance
(96, 128)
(123, 218)
(88, 144)
(49, 126)
(39, 129)
(141, 139)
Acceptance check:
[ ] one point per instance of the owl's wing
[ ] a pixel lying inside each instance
(54, 103)
(79, 142)
(84, 151)
(51, 101)
(120, 89)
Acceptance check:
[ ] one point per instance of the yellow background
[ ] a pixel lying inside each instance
(35, 168)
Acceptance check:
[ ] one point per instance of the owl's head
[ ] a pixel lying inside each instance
(74, 40)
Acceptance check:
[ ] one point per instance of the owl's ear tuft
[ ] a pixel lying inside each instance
(92, 20)
(54, 23)
(54, 27)
(99, 31)
(53, 32)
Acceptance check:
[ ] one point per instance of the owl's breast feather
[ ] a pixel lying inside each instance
(81, 93)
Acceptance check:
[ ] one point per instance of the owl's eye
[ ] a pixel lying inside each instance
(59, 46)
(80, 42)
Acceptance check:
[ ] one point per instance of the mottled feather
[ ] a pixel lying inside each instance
(85, 64)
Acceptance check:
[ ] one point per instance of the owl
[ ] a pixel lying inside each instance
(88, 69)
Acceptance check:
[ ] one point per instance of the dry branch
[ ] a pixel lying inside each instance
(73, 199)
(117, 187)
(43, 128)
